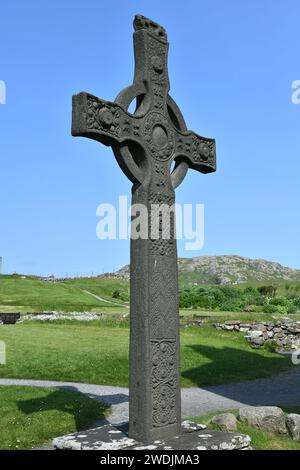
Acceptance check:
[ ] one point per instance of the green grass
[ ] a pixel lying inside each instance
(97, 352)
(102, 287)
(260, 440)
(31, 294)
(31, 416)
(212, 316)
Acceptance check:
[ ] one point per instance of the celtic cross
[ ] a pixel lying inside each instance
(145, 143)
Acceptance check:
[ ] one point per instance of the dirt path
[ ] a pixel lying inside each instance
(104, 300)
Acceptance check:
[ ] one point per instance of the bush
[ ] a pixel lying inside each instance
(268, 308)
(295, 299)
(235, 299)
(282, 301)
(292, 308)
(231, 307)
(269, 291)
(250, 308)
(251, 291)
(117, 294)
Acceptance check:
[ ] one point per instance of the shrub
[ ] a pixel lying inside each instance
(267, 290)
(231, 307)
(295, 299)
(249, 308)
(268, 308)
(251, 291)
(282, 301)
(116, 294)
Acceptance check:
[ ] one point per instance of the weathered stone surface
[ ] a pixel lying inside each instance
(256, 334)
(145, 143)
(257, 341)
(266, 418)
(285, 334)
(226, 421)
(228, 327)
(293, 426)
(192, 437)
(191, 426)
(228, 269)
(259, 327)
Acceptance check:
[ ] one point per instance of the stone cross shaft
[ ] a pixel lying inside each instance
(145, 143)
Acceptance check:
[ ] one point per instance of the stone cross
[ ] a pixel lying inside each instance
(145, 143)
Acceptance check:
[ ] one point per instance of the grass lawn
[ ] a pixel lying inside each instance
(30, 416)
(102, 287)
(261, 440)
(97, 352)
(31, 294)
(213, 316)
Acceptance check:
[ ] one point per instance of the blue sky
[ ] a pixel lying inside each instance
(231, 66)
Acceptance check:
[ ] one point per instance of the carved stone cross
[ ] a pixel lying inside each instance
(145, 144)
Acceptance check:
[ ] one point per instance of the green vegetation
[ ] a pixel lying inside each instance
(260, 440)
(116, 290)
(31, 416)
(97, 352)
(236, 299)
(28, 293)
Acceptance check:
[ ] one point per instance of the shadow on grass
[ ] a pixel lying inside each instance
(233, 364)
(82, 408)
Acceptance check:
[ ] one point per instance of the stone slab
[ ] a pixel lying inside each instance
(193, 437)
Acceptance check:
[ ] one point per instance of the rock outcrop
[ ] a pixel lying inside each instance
(227, 269)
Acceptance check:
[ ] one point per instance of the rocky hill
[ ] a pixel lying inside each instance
(228, 269)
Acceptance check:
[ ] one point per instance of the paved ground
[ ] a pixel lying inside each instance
(281, 389)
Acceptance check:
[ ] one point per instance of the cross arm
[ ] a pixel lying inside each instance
(102, 120)
(199, 152)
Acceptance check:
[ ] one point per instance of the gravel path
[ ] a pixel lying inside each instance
(281, 389)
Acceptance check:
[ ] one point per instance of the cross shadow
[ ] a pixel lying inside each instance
(228, 363)
(59, 400)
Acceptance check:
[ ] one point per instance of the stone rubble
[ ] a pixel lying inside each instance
(293, 426)
(266, 418)
(225, 421)
(285, 334)
(54, 316)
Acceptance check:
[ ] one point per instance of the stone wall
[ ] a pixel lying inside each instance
(284, 333)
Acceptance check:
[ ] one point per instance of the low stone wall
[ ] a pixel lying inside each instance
(9, 318)
(284, 333)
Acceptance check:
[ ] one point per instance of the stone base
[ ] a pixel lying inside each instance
(193, 437)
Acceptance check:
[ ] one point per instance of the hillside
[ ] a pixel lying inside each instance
(228, 269)
(110, 292)
(30, 293)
